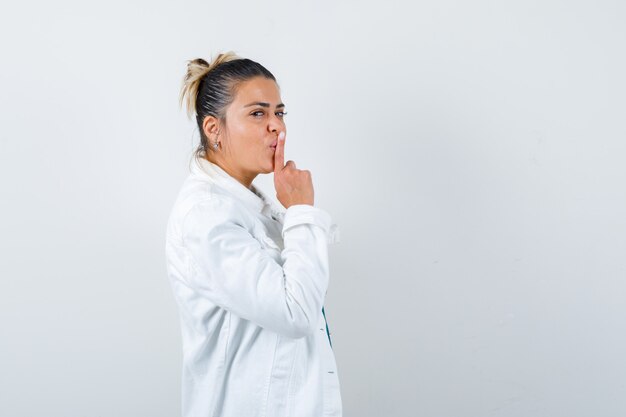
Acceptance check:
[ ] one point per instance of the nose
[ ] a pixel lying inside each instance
(275, 124)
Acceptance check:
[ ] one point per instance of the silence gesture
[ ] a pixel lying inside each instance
(293, 186)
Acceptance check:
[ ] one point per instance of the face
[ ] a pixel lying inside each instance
(253, 121)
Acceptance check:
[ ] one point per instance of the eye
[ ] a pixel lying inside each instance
(255, 113)
(281, 113)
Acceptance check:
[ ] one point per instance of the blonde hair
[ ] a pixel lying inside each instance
(208, 89)
(196, 70)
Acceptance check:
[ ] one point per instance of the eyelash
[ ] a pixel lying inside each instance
(261, 111)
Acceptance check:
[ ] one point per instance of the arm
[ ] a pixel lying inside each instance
(230, 267)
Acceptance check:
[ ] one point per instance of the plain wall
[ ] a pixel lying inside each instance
(472, 154)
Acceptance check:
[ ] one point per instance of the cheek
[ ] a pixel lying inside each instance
(241, 139)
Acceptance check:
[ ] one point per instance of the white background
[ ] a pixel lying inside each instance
(472, 153)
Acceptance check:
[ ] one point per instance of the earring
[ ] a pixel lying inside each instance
(216, 144)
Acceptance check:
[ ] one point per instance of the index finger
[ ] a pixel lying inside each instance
(279, 155)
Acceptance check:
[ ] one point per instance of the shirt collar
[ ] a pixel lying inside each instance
(253, 197)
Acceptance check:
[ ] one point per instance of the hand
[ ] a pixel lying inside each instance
(293, 186)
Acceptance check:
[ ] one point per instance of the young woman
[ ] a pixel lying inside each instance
(249, 277)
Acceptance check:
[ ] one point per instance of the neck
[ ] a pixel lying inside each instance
(244, 178)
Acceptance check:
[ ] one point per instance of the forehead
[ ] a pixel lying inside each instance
(258, 89)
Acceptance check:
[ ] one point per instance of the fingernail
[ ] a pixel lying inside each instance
(281, 136)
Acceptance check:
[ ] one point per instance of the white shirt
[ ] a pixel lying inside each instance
(250, 280)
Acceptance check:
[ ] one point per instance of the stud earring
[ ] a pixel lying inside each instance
(216, 144)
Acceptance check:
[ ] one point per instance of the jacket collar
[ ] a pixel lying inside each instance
(252, 197)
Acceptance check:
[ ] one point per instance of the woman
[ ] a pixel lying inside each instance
(249, 277)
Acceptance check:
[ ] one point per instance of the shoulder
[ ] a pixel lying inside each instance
(202, 203)
(216, 209)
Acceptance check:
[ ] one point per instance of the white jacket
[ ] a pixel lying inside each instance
(250, 280)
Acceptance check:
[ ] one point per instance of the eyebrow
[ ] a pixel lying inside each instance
(262, 104)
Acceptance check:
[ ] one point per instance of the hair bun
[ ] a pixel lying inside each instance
(197, 69)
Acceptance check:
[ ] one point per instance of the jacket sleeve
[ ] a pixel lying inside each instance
(230, 267)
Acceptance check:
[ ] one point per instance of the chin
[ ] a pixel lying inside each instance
(264, 170)
(268, 169)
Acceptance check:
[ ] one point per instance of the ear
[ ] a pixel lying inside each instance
(210, 126)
